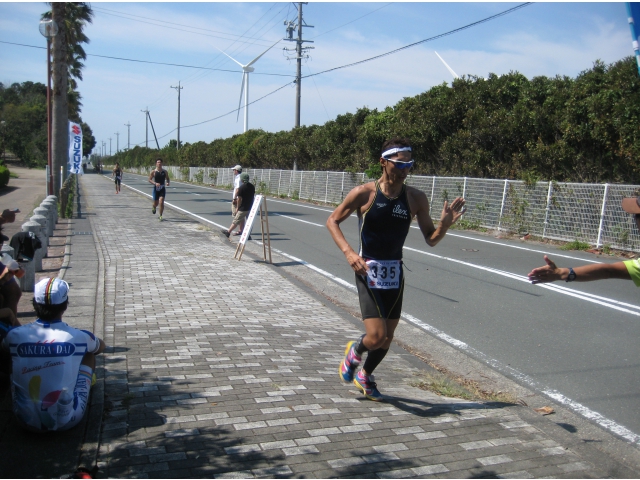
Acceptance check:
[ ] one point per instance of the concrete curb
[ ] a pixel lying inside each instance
(91, 444)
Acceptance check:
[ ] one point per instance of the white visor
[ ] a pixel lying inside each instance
(393, 151)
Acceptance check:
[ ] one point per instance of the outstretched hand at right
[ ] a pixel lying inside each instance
(549, 273)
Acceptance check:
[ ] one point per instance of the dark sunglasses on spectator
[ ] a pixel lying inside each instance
(399, 164)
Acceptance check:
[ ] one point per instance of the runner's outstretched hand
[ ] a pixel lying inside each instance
(452, 213)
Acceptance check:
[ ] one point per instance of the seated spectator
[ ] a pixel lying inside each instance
(10, 291)
(52, 363)
(7, 321)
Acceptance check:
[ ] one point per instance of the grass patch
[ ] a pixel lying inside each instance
(463, 224)
(441, 385)
(576, 245)
(466, 389)
(69, 212)
(13, 175)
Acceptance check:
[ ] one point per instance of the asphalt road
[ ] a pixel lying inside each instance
(575, 342)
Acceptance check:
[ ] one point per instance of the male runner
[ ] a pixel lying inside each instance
(117, 173)
(385, 210)
(157, 178)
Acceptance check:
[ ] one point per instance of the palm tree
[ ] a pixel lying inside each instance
(66, 67)
(77, 15)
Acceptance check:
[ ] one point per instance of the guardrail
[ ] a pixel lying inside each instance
(586, 212)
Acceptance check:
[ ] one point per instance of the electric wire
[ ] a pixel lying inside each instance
(435, 37)
(319, 96)
(252, 40)
(354, 20)
(220, 116)
(158, 63)
(221, 59)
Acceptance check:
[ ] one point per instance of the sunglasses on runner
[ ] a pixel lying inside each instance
(399, 164)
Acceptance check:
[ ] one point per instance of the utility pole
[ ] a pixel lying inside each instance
(60, 105)
(109, 146)
(178, 88)
(146, 130)
(117, 134)
(128, 125)
(301, 52)
(153, 130)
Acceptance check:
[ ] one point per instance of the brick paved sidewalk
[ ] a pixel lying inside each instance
(226, 369)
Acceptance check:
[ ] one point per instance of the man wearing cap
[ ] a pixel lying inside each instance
(627, 270)
(237, 171)
(245, 195)
(52, 363)
(385, 209)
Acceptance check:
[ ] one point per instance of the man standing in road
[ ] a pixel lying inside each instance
(157, 178)
(385, 209)
(237, 170)
(246, 194)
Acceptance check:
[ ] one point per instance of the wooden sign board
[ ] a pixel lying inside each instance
(259, 204)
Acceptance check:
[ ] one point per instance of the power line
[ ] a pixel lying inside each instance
(156, 63)
(354, 20)
(121, 15)
(450, 32)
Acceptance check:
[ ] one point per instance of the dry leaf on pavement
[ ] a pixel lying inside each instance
(544, 410)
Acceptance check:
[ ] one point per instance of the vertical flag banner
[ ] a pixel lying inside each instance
(75, 148)
(633, 14)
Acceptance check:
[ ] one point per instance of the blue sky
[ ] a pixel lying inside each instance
(540, 39)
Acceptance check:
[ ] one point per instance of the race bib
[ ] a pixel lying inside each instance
(118, 177)
(384, 274)
(158, 188)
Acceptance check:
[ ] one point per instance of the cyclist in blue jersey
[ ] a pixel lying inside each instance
(385, 209)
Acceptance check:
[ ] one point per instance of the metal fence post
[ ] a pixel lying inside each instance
(433, 188)
(326, 189)
(313, 189)
(546, 213)
(464, 188)
(342, 189)
(290, 180)
(604, 206)
(504, 196)
(300, 189)
(279, 180)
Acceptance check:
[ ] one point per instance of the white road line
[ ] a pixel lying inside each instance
(555, 254)
(176, 207)
(604, 301)
(296, 219)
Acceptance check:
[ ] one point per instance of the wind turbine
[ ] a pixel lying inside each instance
(246, 70)
(455, 75)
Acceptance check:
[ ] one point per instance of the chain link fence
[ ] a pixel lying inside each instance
(586, 212)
